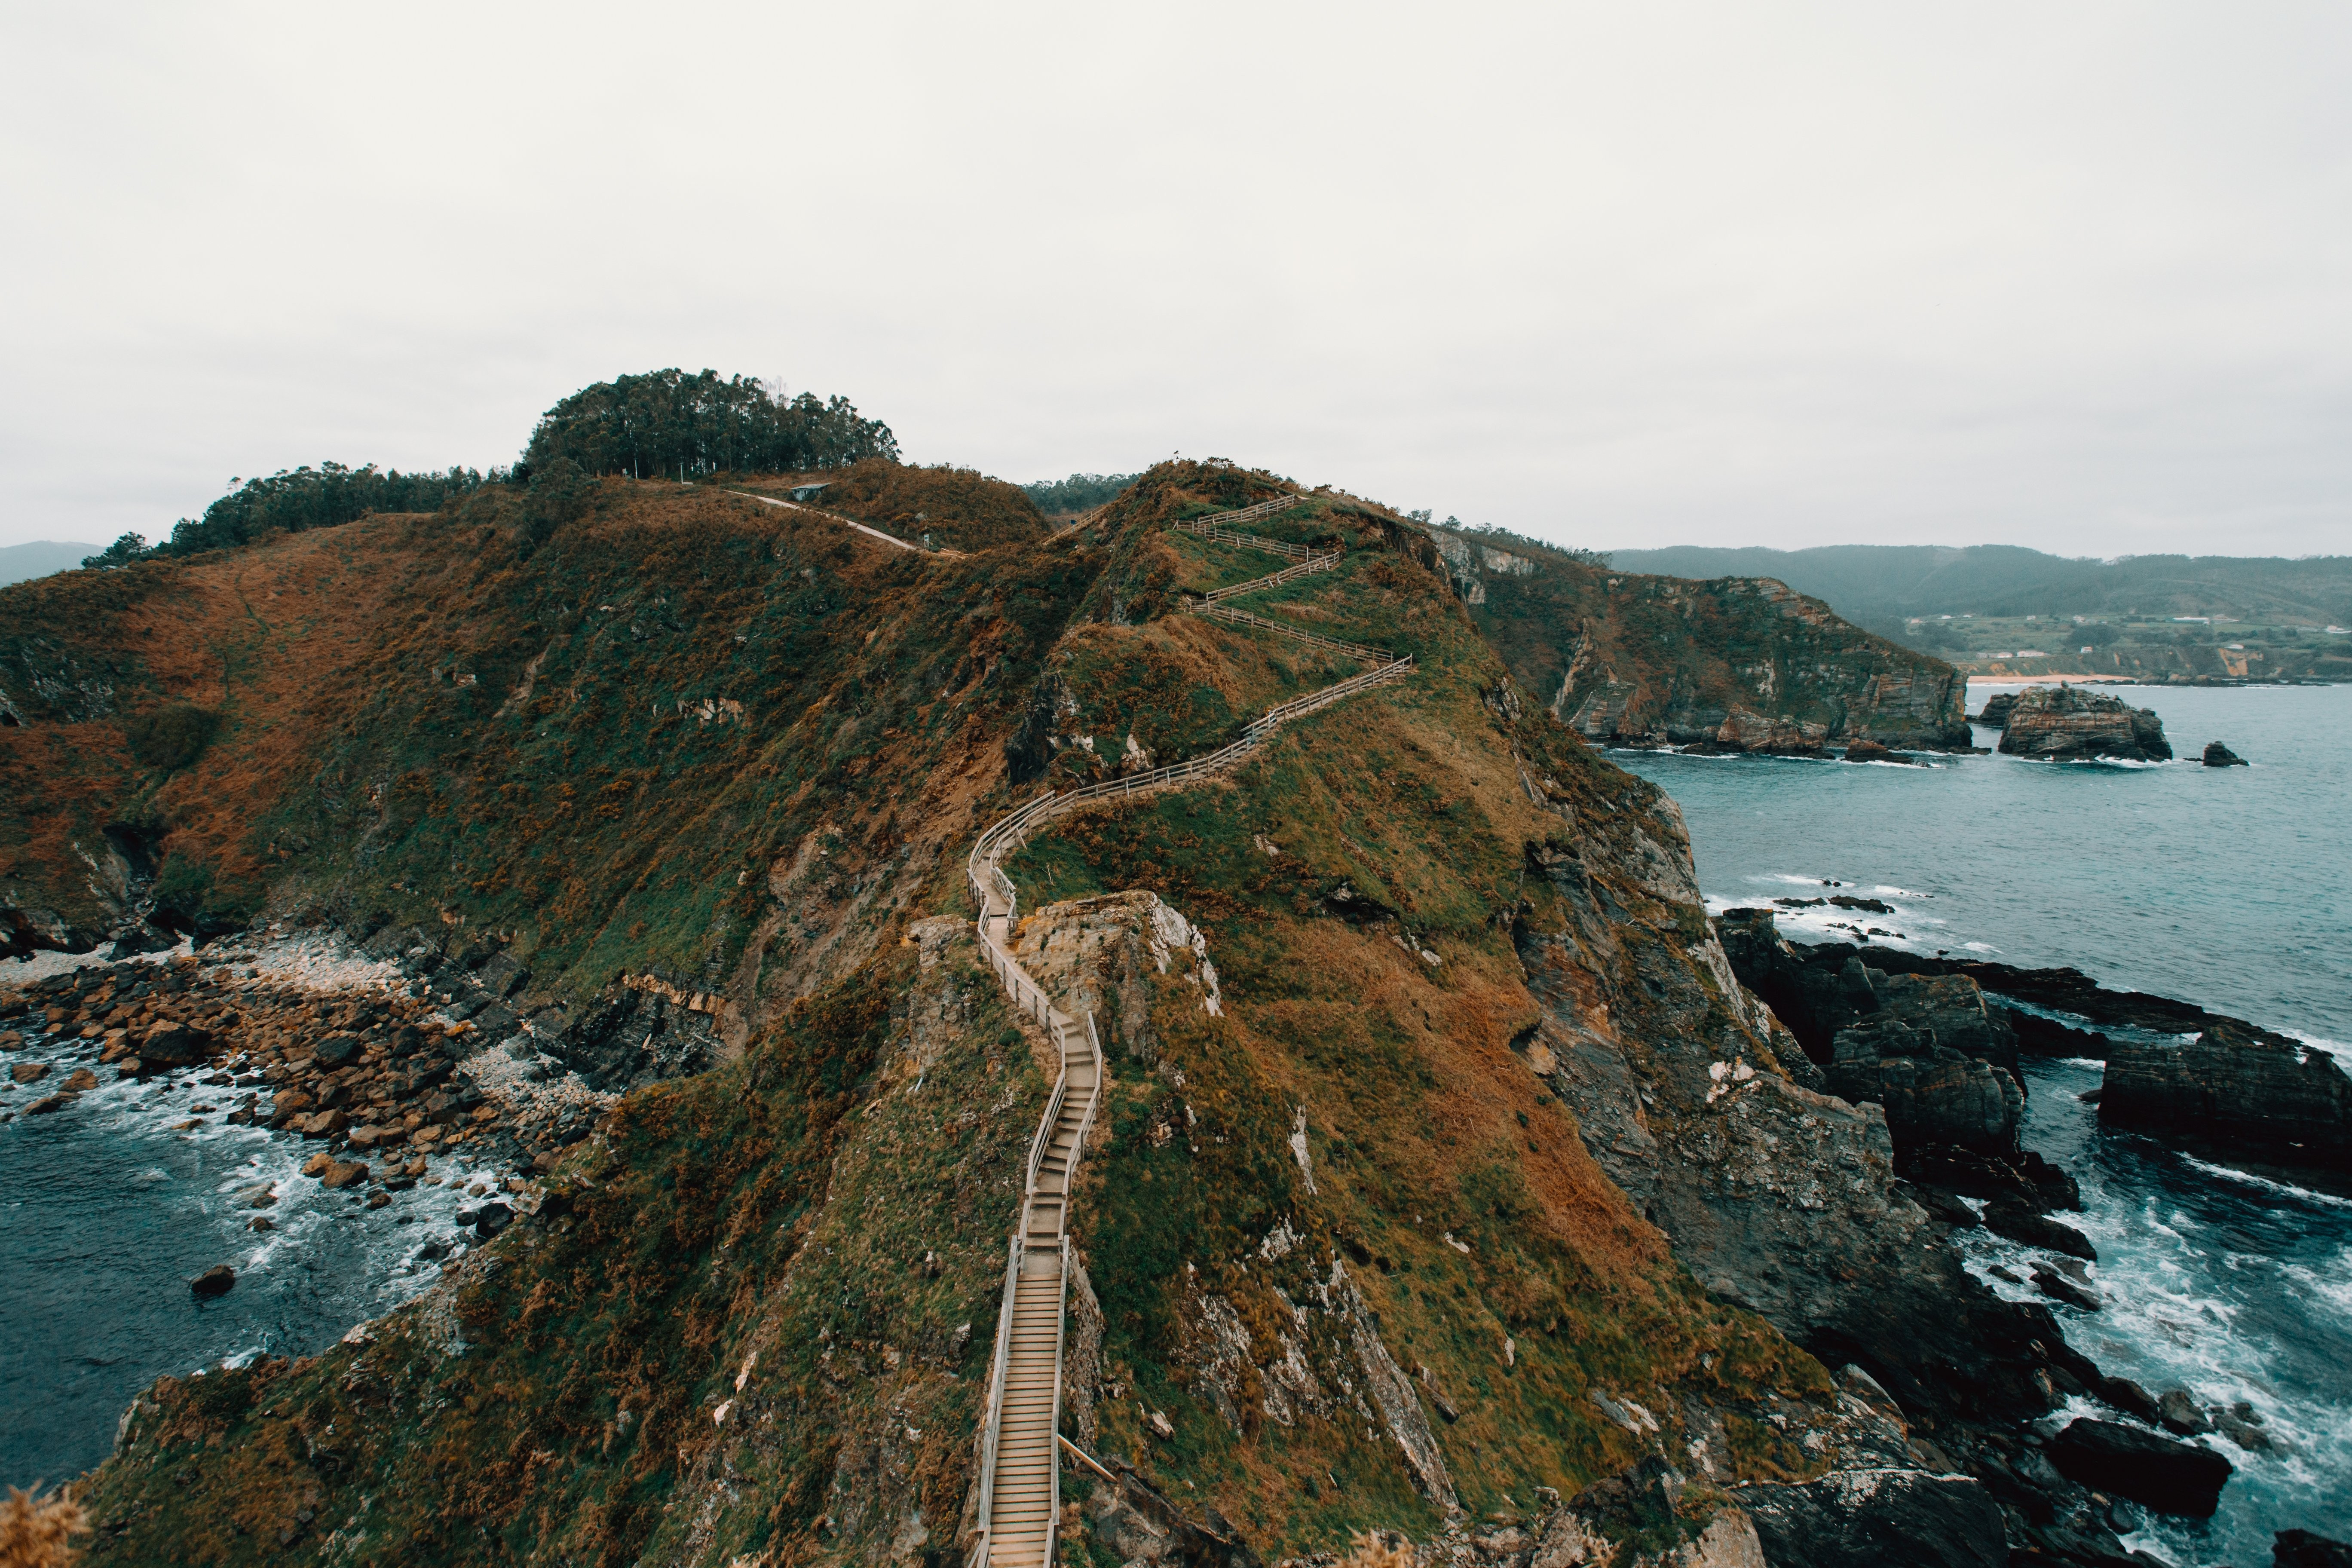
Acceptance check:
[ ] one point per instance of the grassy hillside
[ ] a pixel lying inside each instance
(684, 732)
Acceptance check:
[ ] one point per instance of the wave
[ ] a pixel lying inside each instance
(2288, 1189)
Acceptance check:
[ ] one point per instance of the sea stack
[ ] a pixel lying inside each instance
(2065, 724)
(2218, 756)
(1996, 710)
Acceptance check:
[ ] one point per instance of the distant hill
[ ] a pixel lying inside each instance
(1873, 584)
(43, 556)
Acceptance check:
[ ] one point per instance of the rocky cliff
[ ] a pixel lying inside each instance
(1446, 1168)
(1733, 664)
(2067, 723)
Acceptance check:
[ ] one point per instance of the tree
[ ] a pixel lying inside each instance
(1079, 492)
(666, 423)
(121, 552)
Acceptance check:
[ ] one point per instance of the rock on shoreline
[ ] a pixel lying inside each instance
(2237, 1091)
(2066, 723)
(2233, 1090)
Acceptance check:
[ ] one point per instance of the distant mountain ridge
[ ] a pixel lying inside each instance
(1876, 584)
(20, 563)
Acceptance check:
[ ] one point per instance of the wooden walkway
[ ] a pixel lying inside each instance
(1020, 1472)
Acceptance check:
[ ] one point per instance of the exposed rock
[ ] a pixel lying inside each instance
(49, 1105)
(218, 1280)
(2155, 1472)
(1996, 709)
(2179, 1414)
(1729, 665)
(2021, 1224)
(492, 1218)
(340, 1050)
(1932, 1095)
(1866, 1518)
(2066, 723)
(2059, 1288)
(343, 1174)
(2236, 1091)
(29, 1072)
(2218, 756)
(1137, 1524)
(1868, 752)
(1748, 1174)
(2301, 1549)
(172, 1045)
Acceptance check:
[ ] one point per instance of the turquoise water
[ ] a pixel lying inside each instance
(109, 1207)
(2223, 886)
(2226, 887)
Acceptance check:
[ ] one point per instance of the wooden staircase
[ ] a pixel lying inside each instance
(1020, 1484)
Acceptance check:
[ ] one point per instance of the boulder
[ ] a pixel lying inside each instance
(491, 1218)
(2059, 1288)
(174, 1045)
(2156, 1472)
(1996, 710)
(1867, 752)
(340, 1050)
(2130, 1398)
(343, 1174)
(49, 1105)
(1862, 1519)
(2301, 1549)
(1950, 1099)
(501, 975)
(289, 1104)
(28, 1072)
(2066, 723)
(2018, 1223)
(320, 1123)
(11, 1040)
(2236, 1091)
(317, 1165)
(78, 1079)
(2218, 756)
(2179, 1414)
(218, 1280)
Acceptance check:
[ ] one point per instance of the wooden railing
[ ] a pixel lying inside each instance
(997, 897)
(1242, 617)
(1323, 563)
(994, 1429)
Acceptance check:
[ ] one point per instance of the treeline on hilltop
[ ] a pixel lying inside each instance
(668, 423)
(1079, 492)
(288, 502)
(662, 423)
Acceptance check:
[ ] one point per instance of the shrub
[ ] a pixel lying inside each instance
(172, 736)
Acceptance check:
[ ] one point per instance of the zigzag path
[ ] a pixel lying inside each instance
(1021, 1489)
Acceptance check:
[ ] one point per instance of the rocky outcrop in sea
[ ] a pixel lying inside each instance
(2197, 1080)
(2066, 723)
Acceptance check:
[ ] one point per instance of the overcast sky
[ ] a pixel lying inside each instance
(2066, 276)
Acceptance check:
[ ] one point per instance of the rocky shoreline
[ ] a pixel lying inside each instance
(1935, 1046)
(2202, 1082)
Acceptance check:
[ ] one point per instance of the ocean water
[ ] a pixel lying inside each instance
(109, 1207)
(2230, 887)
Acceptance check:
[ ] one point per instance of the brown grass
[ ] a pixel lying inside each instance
(34, 1528)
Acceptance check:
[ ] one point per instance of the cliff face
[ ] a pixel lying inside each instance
(1736, 664)
(2065, 724)
(1442, 1160)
